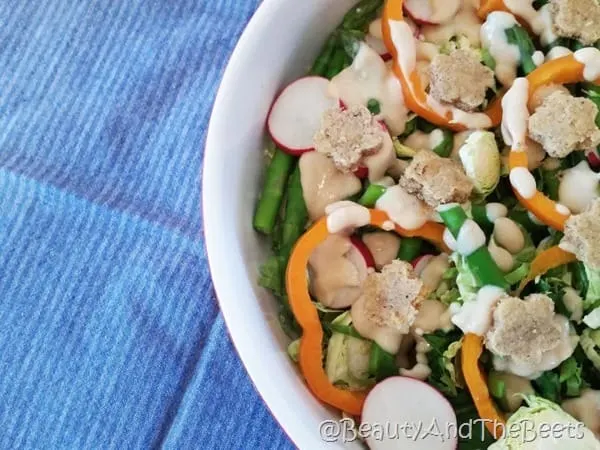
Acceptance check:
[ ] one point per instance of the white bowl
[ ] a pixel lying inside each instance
(279, 44)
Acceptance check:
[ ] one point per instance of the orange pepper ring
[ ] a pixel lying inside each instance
(415, 96)
(565, 70)
(471, 350)
(310, 357)
(547, 260)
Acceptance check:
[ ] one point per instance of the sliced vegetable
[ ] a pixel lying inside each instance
(295, 116)
(273, 191)
(361, 15)
(481, 159)
(363, 251)
(479, 260)
(296, 215)
(311, 351)
(371, 195)
(382, 364)
(545, 261)
(472, 348)
(431, 12)
(400, 400)
(410, 248)
(444, 148)
(519, 36)
(415, 95)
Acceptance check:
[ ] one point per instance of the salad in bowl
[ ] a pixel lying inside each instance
(432, 201)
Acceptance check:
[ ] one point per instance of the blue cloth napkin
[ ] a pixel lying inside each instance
(110, 335)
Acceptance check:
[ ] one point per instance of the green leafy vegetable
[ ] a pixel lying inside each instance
(444, 349)
(518, 36)
(382, 364)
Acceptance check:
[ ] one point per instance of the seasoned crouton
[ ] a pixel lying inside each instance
(392, 296)
(579, 19)
(348, 135)
(563, 124)
(524, 329)
(436, 180)
(581, 235)
(460, 79)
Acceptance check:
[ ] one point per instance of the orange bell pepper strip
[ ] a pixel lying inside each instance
(565, 70)
(471, 350)
(310, 357)
(488, 6)
(547, 260)
(415, 96)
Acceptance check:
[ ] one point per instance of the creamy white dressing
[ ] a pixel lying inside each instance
(523, 182)
(493, 37)
(538, 57)
(432, 273)
(470, 238)
(562, 209)
(383, 246)
(335, 275)
(375, 29)
(471, 120)
(503, 259)
(465, 22)
(449, 240)
(323, 184)
(509, 235)
(476, 316)
(404, 42)
(459, 140)
(345, 216)
(590, 58)
(433, 315)
(516, 114)
(557, 52)
(539, 21)
(403, 208)
(578, 187)
(494, 211)
(428, 141)
(421, 370)
(389, 339)
(551, 359)
(368, 77)
(379, 162)
(426, 51)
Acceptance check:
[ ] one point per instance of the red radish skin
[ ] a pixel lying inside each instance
(295, 115)
(397, 401)
(420, 263)
(418, 21)
(379, 46)
(364, 251)
(593, 159)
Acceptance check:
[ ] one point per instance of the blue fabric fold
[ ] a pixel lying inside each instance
(110, 333)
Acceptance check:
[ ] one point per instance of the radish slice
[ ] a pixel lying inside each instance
(593, 159)
(431, 12)
(295, 116)
(411, 415)
(420, 263)
(364, 255)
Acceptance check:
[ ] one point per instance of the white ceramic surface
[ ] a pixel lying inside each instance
(278, 45)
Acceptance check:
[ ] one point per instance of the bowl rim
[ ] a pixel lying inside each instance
(262, 13)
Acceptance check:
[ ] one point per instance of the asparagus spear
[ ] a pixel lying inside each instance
(272, 193)
(480, 261)
(359, 17)
(518, 35)
(371, 195)
(319, 68)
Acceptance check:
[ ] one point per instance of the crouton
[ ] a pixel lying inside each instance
(460, 79)
(524, 329)
(563, 124)
(392, 296)
(348, 135)
(581, 235)
(579, 19)
(436, 180)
